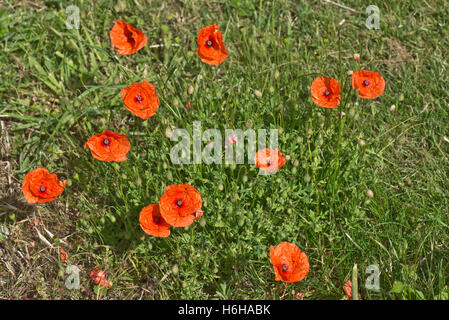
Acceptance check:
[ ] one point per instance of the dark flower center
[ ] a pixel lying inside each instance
(106, 142)
(365, 83)
(42, 189)
(130, 37)
(209, 43)
(179, 203)
(139, 98)
(156, 219)
(269, 162)
(284, 267)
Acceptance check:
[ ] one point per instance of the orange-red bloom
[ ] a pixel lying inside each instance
(326, 92)
(41, 186)
(63, 254)
(179, 205)
(108, 146)
(369, 83)
(348, 289)
(126, 39)
(140, 98)
(289, 262)
(299, 295)
(152, 222)
(269, 159)
(99, 277)
(211, 48)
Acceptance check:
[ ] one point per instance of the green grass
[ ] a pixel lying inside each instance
(61, 86)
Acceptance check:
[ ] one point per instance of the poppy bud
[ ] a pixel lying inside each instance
(370, 193)
(220, 187)
(277, 75)
(298, 140)
(307, 178)
(190, 90)
(362, 143)
(392, 108)
(175, 269)
(120, 6)
(244, 179)
(271, 89)
(258, 93)
(296, 163)
(168, 132)
(203, 222)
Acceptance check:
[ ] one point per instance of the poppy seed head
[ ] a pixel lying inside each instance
(130, 37)
(106, 141)
(209, 43)
(284, 267)
(179, 203)
(42, 189)
(365, 83)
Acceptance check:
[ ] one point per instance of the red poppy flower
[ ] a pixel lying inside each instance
(140, 98)
(299, 295)
(289, 262)
(269, 159)
(179, 205)
(40, 186)
(126, 39)
(211, 48)
(326, 92)
(108, 146)
(63, 254)
(348, 289)
(370, 84)
(152, 222)
(99, 277)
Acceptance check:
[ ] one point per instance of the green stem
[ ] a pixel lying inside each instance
(355, 285)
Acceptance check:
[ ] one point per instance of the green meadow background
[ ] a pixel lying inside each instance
(366, 188)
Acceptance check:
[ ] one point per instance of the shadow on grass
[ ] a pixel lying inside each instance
(15, 205)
